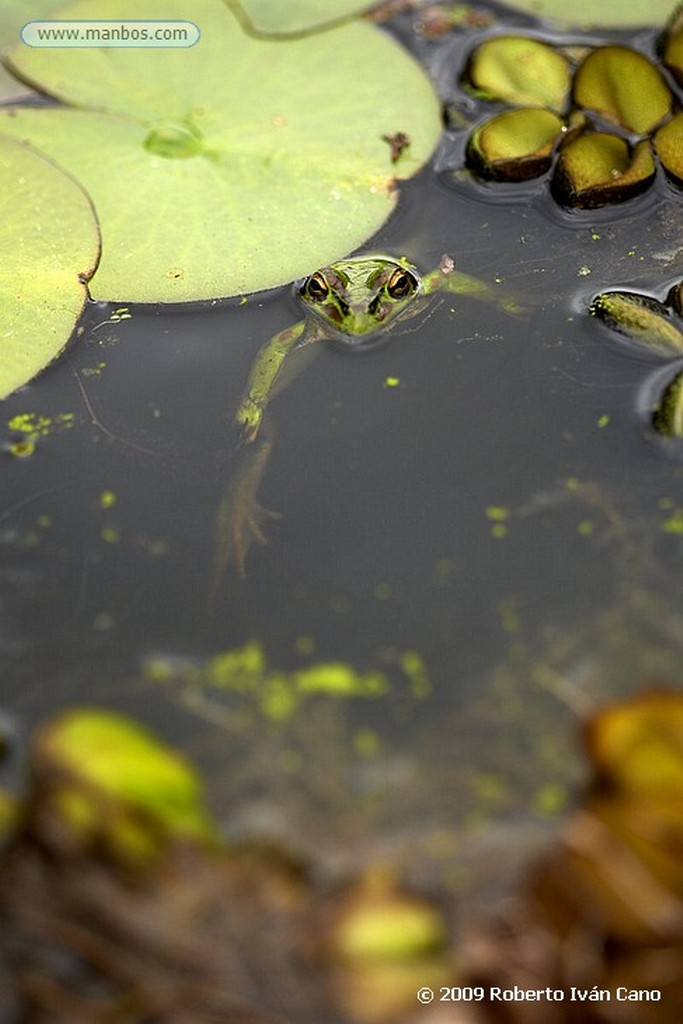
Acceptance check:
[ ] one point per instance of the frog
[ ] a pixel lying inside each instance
(354, 301)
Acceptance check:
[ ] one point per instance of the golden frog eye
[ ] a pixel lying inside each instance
(317, 287)
(401, 283)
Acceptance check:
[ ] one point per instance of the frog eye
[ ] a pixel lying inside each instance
(317, 287)
(401, 283)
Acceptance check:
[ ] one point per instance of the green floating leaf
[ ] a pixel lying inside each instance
(669, 146)
(236, 165)
(623, 86)
(13, 15)
(49, 246)
(667, 416)
(112, 780)
(639, 317)
(515, 145)
(596, 168)
(673, 44)
(587, 13)
(520, 70)
(284, 17)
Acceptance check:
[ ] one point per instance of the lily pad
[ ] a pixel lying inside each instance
(233, 166)
(520, 70)
(587, 13)
(288, 17)
(673, 45)
(669, 146)
(597, 168)
(624, 87)
(49, 248)
(515, 145)
(14, 14)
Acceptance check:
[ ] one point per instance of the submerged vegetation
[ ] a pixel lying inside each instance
(113, 863)
(243, 675)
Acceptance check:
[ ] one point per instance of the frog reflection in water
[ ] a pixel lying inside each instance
(351, 301)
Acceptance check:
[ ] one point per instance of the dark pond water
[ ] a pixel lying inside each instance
(392, 537)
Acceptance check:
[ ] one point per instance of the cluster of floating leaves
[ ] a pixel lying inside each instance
(658, 326)
(113, 862)
(602, 117)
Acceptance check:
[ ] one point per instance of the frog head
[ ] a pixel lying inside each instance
(357, 296)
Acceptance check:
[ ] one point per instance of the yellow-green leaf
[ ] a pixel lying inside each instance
(624, 87)
(667, 416)
(597, 168)
(669, 146)
(520, 70)
(641, 318)
(515, 145)
(49, 246)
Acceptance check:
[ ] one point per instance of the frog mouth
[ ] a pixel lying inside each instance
(348, 341)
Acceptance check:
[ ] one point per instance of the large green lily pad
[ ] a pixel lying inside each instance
(673, 45)
(617, 13)
(48, 247)
(282, 17)
(14, 14)
(236, 165)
